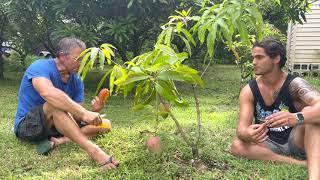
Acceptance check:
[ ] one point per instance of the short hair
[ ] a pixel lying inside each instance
(273, 48)
(66, 44)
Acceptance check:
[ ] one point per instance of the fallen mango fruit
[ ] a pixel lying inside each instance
(154, 145)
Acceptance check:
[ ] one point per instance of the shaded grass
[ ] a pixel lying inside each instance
(219, 107)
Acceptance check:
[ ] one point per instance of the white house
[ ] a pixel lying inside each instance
(303, 45)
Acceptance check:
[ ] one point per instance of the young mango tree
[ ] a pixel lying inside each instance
(152, 75)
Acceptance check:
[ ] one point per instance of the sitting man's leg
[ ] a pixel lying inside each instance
(307, 138)
(260, 152)
(89, 130)
(67, 126)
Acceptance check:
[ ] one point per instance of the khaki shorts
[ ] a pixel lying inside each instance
(288, 149)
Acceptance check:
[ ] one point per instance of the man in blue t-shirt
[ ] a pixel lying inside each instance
(50, 110)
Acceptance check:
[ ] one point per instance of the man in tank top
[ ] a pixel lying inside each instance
(279, 117)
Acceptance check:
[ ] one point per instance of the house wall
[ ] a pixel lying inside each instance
(303, 46)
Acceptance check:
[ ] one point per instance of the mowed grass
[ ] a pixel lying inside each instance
(219, 109)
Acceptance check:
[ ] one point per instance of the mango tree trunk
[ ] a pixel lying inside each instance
(1, 65)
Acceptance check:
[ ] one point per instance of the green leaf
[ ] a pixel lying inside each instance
(179, 26)
(131, 78)
(148, 100)
(130, 3)
(84, 52)
(83, 63)
(165, 91)
(160, 37)
(101, 59)
(106, 54)
(165, 49)
(186, 42)
(167, 40)
(102, 81)
(225, 31)
(146, 87)
(211, 39)
(202, 33)
(244, 34)
(171, 75)
(94, 55)
(113, 77)
(188, 36)
(138, 93)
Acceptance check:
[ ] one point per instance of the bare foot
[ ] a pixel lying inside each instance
(102, 159)
(58, 141)
(304, 163)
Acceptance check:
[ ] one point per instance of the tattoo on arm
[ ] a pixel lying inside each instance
(301, 89)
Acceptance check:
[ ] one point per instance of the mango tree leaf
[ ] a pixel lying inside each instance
(148, 100)
(202, 32)
(84, 52)
(165, 91)
(165, 49)
(186, 42)
(188, 36)
(211, 39)
(138, 93)
(101, 59)
(83, 63)
(102, 81)
(167, 40)
(131, 78)
(160, 37)
(171, 75)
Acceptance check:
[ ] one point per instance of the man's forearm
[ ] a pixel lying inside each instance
(312, 115)
(62, 101)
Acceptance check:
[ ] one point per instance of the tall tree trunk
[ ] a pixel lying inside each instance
(1, 66)
(123, 55)
(23, 61)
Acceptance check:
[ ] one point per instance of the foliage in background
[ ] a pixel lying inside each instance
(281, 12)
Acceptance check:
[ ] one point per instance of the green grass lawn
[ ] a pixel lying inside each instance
(219, 107)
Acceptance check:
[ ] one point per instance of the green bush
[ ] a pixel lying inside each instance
(13, 63)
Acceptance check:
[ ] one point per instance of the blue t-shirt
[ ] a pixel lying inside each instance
(29, 98)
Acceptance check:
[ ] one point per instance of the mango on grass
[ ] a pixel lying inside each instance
(154, 145)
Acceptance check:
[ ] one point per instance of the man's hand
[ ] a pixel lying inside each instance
(97, 104)
(91, 118)
(280, 119)
(257, 133)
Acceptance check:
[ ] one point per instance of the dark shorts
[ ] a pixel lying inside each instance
(288, 149)
(32, 127)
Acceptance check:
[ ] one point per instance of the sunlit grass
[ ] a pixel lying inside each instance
(219, 109)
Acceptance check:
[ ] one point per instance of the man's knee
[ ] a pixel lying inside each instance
(238, 147)
(311, 128)
(49, 110)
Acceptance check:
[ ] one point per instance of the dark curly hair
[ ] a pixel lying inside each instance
(273, 48)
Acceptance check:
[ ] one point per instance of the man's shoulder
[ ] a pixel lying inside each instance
(40, 64)
(246, 90)
(299, 85)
